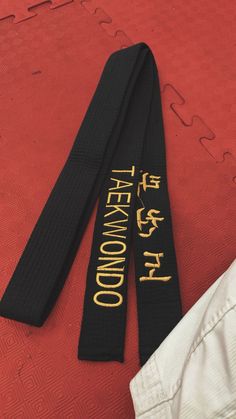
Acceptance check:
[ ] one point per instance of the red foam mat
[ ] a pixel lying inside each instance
(50, 62)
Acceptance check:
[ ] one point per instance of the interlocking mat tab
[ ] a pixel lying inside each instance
(51, 56)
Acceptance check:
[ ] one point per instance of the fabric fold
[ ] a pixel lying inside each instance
(119, 157)
(193, 372)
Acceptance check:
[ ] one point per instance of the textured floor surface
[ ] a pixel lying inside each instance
(51, 56)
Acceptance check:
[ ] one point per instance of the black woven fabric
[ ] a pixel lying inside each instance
(120, 145)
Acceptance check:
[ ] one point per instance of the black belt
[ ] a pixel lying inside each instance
(118, 156)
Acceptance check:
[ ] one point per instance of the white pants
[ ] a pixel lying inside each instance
(192, 375)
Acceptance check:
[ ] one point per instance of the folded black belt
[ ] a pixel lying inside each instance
(118, 156)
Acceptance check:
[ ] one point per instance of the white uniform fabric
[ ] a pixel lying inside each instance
(192, 375)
